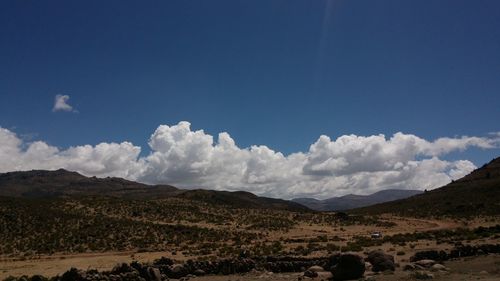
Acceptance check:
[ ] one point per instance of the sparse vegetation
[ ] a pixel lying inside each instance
(207, 226)
(99, 224)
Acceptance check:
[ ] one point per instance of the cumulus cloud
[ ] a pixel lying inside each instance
(194, 159)
(61, 104)
(351, 154)
(104, 159)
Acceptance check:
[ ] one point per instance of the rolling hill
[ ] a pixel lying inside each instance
(352, 201)
(473, 195)
(241, 199)
(62, 183)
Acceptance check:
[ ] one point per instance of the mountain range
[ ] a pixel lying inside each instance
(476, 194)
(61, 183)
(352, 201)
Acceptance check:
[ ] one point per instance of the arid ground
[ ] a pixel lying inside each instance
(308, 235)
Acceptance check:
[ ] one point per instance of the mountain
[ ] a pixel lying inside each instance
(473, 195)
(241, 199)
(352, 201)
(63, 183)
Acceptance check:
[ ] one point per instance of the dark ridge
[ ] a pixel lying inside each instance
(63, 183)
(476, 194)
(59, 183)
(240, 199)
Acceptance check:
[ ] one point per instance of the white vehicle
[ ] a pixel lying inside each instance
(376, 235)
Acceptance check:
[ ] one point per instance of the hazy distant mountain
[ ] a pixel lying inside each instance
(63, 183)
(352, 201)
(475, 194)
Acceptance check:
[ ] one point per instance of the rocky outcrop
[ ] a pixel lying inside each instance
(457, 252)
(349, 266)
(381, 261)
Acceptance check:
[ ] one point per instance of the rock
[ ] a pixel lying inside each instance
(310, 274)
(38, 278)
(381, 261)
(72, 275)
(122, 268)
(349, 266)
(324, 275)
(368, 266)
(316, 268)
(422, 275)
(163, 261)
(438, 267)
(199, 272)
(177, 271)
(371, 276)
(409, 267)
(430, 255)
(419, 267)
(154, 274)
(425, 263)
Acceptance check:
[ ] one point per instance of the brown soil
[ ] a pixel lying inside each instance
(466, 269)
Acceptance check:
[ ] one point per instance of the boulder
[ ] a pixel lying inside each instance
(438, 267)
(381, 261)
(409, 267)
(422, 275)
(163, 261)
(425, 263)
(72, 275)
(199, 272)
(310, 274)
(349, 266)
(154, 274)
(430, 255)
(316, 268)
(38, 278)
(122, 268)
(177, 271)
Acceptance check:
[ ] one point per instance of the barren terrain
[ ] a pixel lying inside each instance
(173, 233)
(300, 238)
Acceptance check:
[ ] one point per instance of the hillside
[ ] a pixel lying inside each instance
(475, 194)
(352, 201)
(241, 199)
(61, 183)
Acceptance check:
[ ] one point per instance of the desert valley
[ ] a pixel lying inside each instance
(60, 225)
(232, 140)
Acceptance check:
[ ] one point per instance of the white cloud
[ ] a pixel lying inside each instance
(104, 159)
(61, 104)
(187, 158)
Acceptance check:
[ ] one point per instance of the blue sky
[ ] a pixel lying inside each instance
(275, 73)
